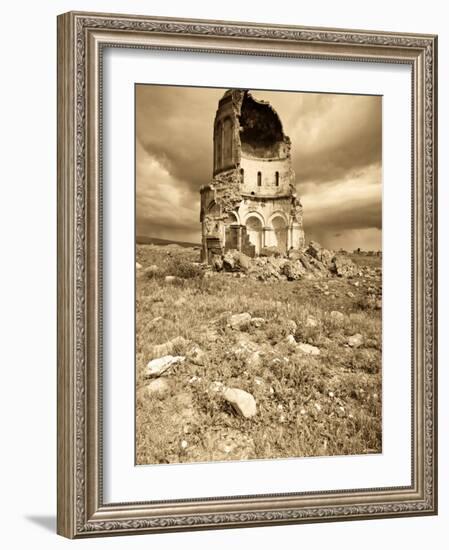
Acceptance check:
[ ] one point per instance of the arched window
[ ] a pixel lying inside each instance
(218, 151)
(259, 179)
(277, 179)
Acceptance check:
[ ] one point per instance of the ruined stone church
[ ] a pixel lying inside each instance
(251, 201)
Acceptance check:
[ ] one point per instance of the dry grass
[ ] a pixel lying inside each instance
(328, 404)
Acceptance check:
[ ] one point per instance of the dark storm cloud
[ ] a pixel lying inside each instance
(336, 155)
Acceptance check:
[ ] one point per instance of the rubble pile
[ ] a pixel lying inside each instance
(312, 262)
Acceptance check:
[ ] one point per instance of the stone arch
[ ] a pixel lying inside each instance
(279, 223)
(254, 227)
(232, 218)
(213, 209)
(228, 142)
(218, 145)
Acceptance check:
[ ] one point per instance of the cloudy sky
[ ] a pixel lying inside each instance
(336, 154)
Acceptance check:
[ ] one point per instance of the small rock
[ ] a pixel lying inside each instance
(343, 266)
(337, 316)
(257, 322)
(254, 359)
(138, 266)
(216, 387)
(196, 355)
(290, 339)
(239, 320)
(292, 327)
(217, 262)
(171, 279)
(355, 341)
(151, 271)
(311, 322)
(242, 402)
(331, 394)
(293, 270)
(378, 304)
(350, 294)
(175, 344)
(308, 349)
(156, 367)
(184, 444)
(302, 411)
(317, 406)
(159, 387)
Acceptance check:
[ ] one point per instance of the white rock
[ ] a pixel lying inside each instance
(290, 339)
(257, 321)
(311, 322)
(156, 367)
(355, 341)
(138, 266)
(308, 349)
(157, 387)
(242, 402)
(171, 279)
(239, 320)
(337, 316)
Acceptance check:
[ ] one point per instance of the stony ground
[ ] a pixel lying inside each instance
(232, 368)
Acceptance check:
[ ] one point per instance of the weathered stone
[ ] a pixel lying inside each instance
(234, 260)
(177, 344)
(337, 316)
(217, 262)
(239, 320)
(343, 266)
(254, 359)
(158, 366)
(171, 279)
(291, 326)
(294, 255)
(293, 270)
(355, 341)
(257, 322)
(308, 349)
(196, 355)
(242, 402)
(270, 251)
(319, 253)
(151, 271)
(290, 340)
(311, 322)
(159, 387)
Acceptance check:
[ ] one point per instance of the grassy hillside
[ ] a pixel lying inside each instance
(307, 405)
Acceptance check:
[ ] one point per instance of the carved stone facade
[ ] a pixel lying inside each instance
(251, 202)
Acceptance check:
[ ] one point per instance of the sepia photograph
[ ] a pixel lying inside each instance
(258, 289)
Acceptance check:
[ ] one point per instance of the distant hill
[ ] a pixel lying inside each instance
(162, 242)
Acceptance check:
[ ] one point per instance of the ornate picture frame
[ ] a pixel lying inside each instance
(82, 39)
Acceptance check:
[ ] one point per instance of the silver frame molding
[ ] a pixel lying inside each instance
(81, 39)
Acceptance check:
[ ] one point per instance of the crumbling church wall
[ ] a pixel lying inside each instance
(251, 202)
